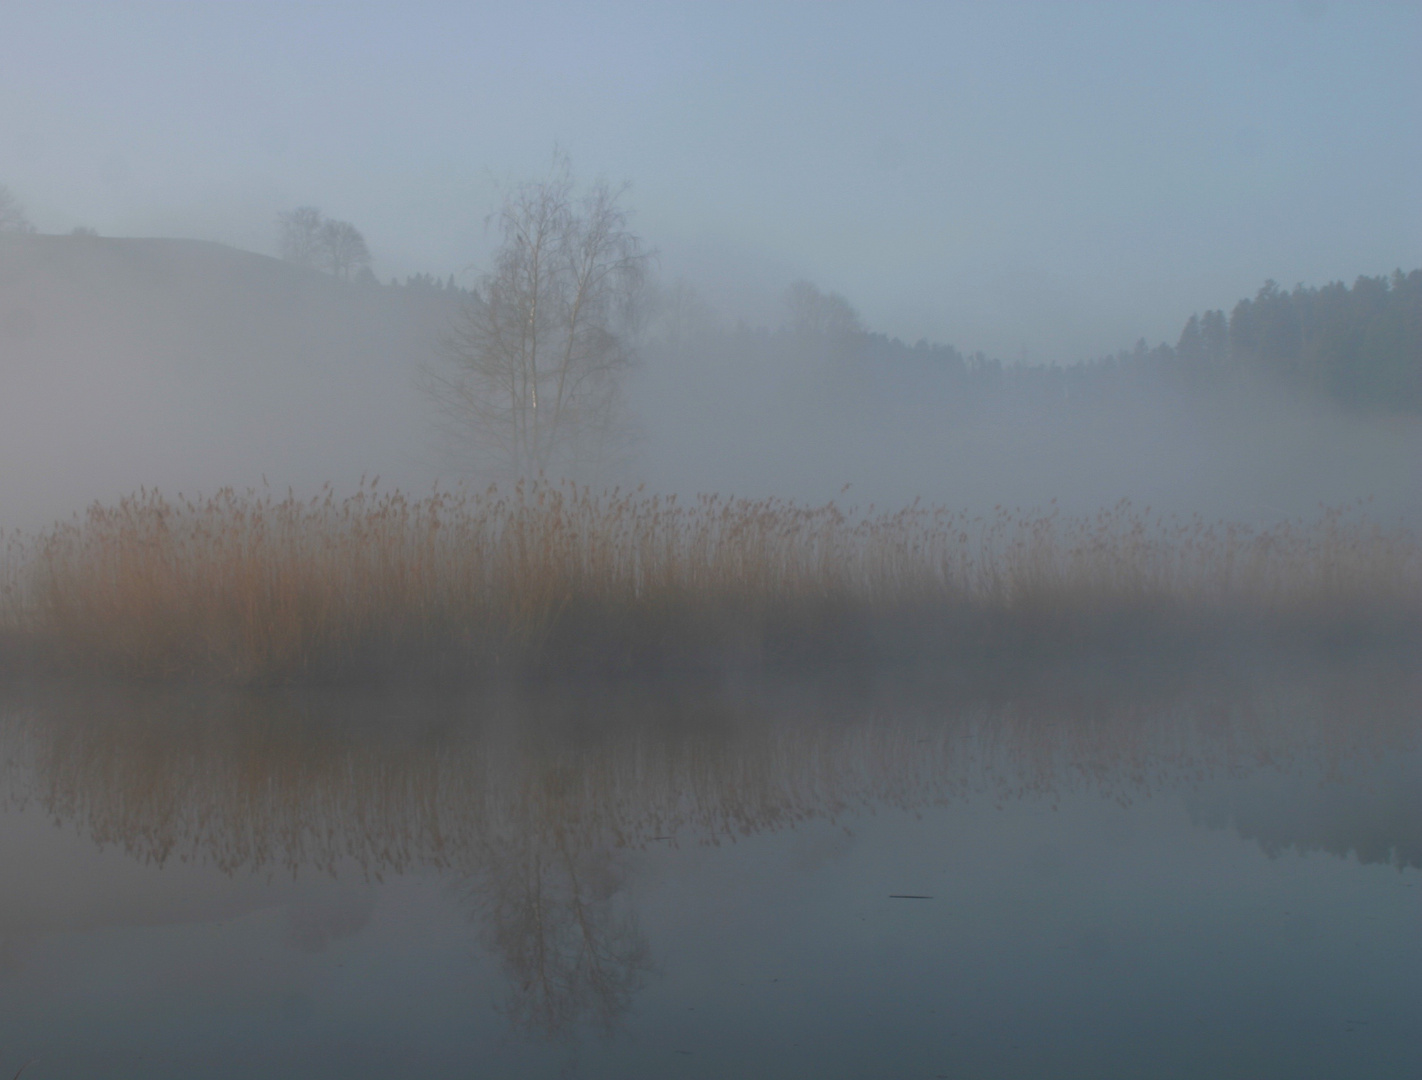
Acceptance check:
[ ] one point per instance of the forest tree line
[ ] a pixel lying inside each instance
(1360, 346)
(539, 348)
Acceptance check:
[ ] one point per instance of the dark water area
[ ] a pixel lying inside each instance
(1213, 877)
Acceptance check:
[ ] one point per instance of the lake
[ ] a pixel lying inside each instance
(1217, 875)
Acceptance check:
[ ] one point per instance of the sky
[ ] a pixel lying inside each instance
(1047, 182)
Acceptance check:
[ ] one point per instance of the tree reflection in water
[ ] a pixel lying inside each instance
(556, 916)
(531, 804)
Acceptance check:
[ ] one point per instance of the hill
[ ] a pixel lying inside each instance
(186, 364)
(189, 366)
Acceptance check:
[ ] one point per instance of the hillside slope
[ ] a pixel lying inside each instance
(190, 365)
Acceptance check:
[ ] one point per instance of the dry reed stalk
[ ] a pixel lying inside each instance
(250, 588)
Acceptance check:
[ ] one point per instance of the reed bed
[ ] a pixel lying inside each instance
(544, 581)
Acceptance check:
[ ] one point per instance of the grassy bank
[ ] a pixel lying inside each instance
(540, 581)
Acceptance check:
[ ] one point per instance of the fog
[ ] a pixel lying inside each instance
(190, 366)
(1031, 186)
(779, 414)
(641, 540)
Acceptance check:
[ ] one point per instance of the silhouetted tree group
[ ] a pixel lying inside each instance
(12, 214)
(431, 285)
(312, 240)
(1359, 346)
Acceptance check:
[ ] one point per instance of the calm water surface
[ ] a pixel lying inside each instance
(1207, 879)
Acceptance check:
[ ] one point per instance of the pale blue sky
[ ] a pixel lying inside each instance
(1057, 178)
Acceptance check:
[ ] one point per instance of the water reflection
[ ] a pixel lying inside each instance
(534, 807)
(1373, 815)
(556, 914)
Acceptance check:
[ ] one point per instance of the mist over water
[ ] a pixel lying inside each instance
(609, 884)
(790, 541)
(777, 419)
(189, 367)
(1001, 202)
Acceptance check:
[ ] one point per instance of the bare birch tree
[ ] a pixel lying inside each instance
(541, 349)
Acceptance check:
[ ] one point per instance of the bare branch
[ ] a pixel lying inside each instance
(540, 352)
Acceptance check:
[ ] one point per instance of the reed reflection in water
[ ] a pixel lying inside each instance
(535, 809)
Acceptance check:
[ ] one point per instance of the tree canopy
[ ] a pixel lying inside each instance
(308, 238)
(12, 214)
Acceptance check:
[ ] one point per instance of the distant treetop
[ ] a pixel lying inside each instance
(1361, 345)
(814, 312)
(12, 214)
(312, 240)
